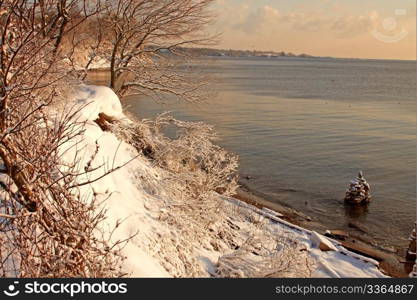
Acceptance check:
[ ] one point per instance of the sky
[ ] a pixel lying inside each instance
(380, 29)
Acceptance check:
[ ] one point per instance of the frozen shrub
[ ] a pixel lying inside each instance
(48, 226)
(191, 155)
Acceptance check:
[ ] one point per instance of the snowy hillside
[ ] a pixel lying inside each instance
(230, 239)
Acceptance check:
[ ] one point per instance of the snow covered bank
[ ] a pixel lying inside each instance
(231, 239)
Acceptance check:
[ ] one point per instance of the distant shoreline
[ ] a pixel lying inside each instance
(231, 53)
(212, 52)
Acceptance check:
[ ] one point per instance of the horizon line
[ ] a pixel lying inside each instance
(313, 56)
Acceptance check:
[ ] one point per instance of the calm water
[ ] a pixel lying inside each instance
(304, 127)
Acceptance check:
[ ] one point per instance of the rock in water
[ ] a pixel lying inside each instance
(359, 191)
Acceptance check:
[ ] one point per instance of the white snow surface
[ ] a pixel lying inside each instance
(241, 241)
(97, 99)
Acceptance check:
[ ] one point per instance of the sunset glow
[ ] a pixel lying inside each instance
(341, 28)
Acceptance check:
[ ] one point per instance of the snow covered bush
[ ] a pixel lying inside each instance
(53, 231)
(48, 227)
(191, 155)
(193, 173)
(266, 254)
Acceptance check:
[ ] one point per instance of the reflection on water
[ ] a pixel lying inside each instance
(354, 212)
(304, 127)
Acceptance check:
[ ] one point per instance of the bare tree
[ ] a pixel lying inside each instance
(47, 227)
(144, 45)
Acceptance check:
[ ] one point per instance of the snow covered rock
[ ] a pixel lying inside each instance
(93, 100)
(321, 242)
(359, 191)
